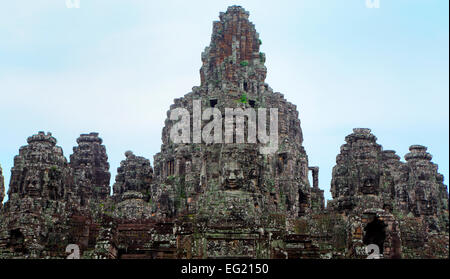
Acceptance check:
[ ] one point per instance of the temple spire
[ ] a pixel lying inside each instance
(233, 54)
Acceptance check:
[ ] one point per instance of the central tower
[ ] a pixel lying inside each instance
(233, 60)
(233, 187)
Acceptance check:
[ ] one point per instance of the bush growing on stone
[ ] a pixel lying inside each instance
(244, 63)
(243, 99)
(261, 57)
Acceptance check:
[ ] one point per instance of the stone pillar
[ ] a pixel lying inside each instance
(317, 196)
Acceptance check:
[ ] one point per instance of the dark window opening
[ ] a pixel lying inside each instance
(170, 168)
(282, 160)
(182, 169)
(375, 233)
(302, 203)
(245, 86)
(280, 166)
(16, 241)
(423, 176)
(213, 102)
(52, 192)
(251, 103)
(288, 203)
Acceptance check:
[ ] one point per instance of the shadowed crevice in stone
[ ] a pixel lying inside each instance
(375, 233)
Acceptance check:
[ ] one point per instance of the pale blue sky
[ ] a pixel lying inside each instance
(114, 67)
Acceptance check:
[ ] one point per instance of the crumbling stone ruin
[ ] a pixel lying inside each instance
(90, 166)
(132, 188)
(207, 199)
(39, 200)
(371, 185)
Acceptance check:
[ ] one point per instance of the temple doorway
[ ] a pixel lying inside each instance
(16, 241)
(375, 233)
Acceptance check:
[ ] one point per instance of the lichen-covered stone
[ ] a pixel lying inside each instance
(35, 214)
(317, 195)
(90, 166)
(134, 174)
(191, 174)
(427, 195)
(358, 170)
(40, 170)
(225, 200)
(408, 200)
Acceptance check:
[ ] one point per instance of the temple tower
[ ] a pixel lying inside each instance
(90, 166)
(34, 217)
(233, 185)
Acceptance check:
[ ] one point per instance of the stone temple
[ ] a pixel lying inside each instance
(224, 200)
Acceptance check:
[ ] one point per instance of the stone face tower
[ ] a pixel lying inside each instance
(367, 176)
(39, 170)
(36, 211)
(401, 207)
(426, 192)
(134, 175)
(90, 166)
(132, 188)
(357, 175)
(233, 184)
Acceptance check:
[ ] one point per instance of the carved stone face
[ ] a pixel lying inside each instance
(402, 176)
(32, 184)
(369, 182)
(341, 171)
(341, 186)
(234, 176)
(423, 175)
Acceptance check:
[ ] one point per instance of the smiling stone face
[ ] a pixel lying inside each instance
(369, 181)
(32, 183)
(234, 176)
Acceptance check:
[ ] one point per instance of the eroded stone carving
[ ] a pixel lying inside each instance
(90, 166)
